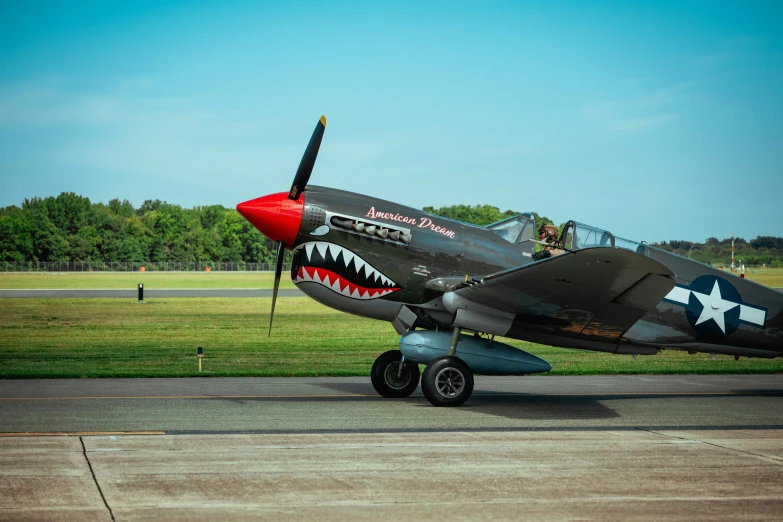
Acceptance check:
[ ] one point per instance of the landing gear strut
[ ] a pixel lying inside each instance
(393, 377)
(447, 381)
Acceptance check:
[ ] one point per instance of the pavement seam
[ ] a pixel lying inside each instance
(463, 429)
(776, 460)
(95, 479)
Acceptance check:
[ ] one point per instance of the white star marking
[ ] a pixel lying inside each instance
(714, 307)
(748, 313)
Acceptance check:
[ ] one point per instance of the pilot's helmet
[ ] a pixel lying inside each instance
(549, 230)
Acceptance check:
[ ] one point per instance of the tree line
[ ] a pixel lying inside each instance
(71, 228)
(763, 250)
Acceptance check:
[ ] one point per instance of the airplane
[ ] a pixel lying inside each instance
(449, 288)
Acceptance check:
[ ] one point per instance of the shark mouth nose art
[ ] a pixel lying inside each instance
(340, 270)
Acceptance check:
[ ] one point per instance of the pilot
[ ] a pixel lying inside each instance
(548, 234)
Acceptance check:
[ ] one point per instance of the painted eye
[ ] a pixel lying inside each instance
(320, 231)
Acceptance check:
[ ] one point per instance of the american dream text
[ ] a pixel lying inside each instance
(421, 223)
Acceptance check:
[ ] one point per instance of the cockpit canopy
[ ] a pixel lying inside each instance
(576, 236)
(515, 229)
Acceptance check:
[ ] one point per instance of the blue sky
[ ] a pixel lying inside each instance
(655, 120)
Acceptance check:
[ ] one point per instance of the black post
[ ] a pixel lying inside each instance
(141, 292)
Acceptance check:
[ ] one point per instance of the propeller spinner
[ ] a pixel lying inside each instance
(278, 216)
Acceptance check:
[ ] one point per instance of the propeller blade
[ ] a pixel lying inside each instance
(278, 271)
(308, 160)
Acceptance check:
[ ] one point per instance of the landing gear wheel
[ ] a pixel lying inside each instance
(447, 381)
(389, 381)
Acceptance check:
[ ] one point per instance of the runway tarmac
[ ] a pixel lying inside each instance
(551, 448)
(151, 293)
(349, 404)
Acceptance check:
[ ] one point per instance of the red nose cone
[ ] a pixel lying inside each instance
(276, 216)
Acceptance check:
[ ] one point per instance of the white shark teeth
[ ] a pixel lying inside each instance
(336, 285)
(359, 264)
(346, 291)
(347, 257)
(322, 248)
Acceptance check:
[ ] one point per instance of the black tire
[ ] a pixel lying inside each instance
(384, 376)
(447, 381)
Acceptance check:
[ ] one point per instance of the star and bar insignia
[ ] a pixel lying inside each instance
(714, 307)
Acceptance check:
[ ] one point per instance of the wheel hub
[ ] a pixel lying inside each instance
(391, 376)
(450, 382)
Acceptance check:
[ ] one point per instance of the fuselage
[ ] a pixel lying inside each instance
(372, 257)
(437, 247)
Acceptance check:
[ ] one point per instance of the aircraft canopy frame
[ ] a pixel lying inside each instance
(515, 229)
(576, 236)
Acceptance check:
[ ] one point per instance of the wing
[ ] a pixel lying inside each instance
(595, 293)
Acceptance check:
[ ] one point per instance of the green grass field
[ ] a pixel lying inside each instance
(129, 280)
(766, 276)
(120, 338)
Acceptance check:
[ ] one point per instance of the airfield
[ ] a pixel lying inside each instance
(641, 447)
(615, 445)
